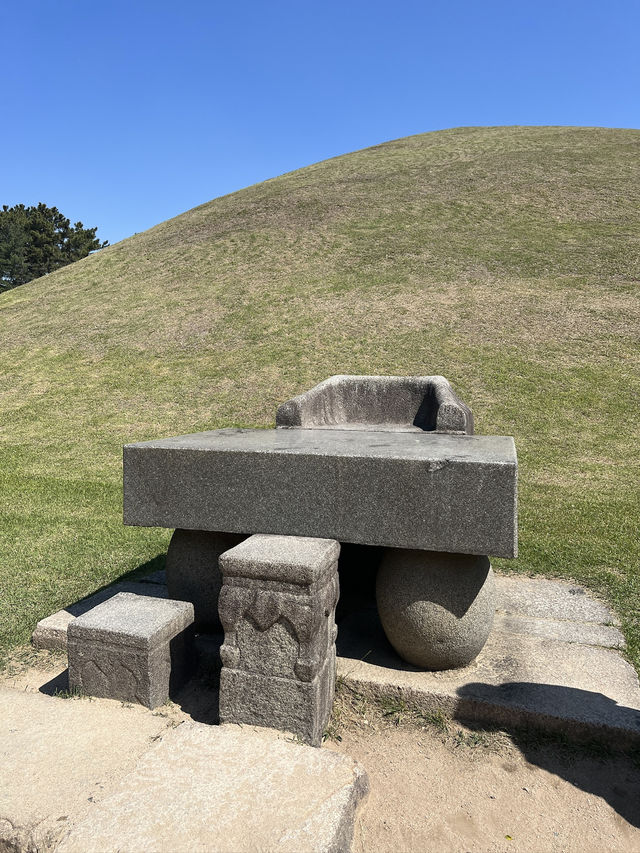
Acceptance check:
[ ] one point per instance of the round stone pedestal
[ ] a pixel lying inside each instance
(193, 573)
(436, 609)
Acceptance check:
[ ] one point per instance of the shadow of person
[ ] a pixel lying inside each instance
(585, 763)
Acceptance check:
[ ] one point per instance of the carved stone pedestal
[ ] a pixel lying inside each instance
(277, 607)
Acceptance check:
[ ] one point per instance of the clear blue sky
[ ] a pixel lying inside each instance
(123, 114)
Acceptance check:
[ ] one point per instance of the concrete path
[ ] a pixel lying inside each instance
(94, 775)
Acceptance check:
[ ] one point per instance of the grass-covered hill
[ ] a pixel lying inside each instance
(507, 259)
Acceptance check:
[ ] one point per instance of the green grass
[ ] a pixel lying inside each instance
(507, 259)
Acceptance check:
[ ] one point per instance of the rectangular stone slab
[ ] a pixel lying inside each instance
(403, 490)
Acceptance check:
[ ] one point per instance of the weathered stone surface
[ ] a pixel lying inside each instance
(522, 676)
(57, 757)
(290, 559)
(193, 573)
(97, 776)
(588, 633)
(552, 599)
(131, 647)
(51, 632)
(133, 621)
(277, 607)
(288, 704)
(216, 788)
(412, 490)
(436, 609)
(394, 403)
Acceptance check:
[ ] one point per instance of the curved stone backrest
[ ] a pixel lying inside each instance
(394, 403)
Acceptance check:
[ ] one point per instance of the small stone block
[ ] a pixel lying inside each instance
(132, 648)
(51, 632)
(277, 607)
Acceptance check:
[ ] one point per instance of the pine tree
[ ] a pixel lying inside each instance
(36, 240)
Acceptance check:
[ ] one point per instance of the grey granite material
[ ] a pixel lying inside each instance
(588, 633)
(300, 707)
(392, 403)
(132, 648)
(452, 493)
(289, 559)
(58, 759)
(277, 607)
(436, 609)
(136, 621)
(552, 599)
(51, 632)
(228, 790)
(193, 573)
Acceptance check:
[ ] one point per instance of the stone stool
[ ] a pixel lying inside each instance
(132, 648)
(277, 607)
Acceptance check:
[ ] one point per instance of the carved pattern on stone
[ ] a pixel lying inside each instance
(308, 613)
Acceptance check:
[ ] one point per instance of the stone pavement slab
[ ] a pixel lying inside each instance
(57, 756)
(563, 673)
(94, 775)
(226, 789)
(552, 599)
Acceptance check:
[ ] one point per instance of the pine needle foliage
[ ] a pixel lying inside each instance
(37, 240)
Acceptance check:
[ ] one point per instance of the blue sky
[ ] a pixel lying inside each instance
(123, 114)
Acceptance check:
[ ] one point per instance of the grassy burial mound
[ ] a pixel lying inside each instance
(507, 259)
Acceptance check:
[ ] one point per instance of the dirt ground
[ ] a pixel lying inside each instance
(445, 788)
(437, 786)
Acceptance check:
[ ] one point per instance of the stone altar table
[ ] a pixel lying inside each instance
(389, 462)
(400, 490)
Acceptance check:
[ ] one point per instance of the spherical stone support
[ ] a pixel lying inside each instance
(193, 573)
(436, 608)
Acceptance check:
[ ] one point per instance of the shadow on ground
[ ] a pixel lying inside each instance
(57, 685)
(581, 761)
(529, 712)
